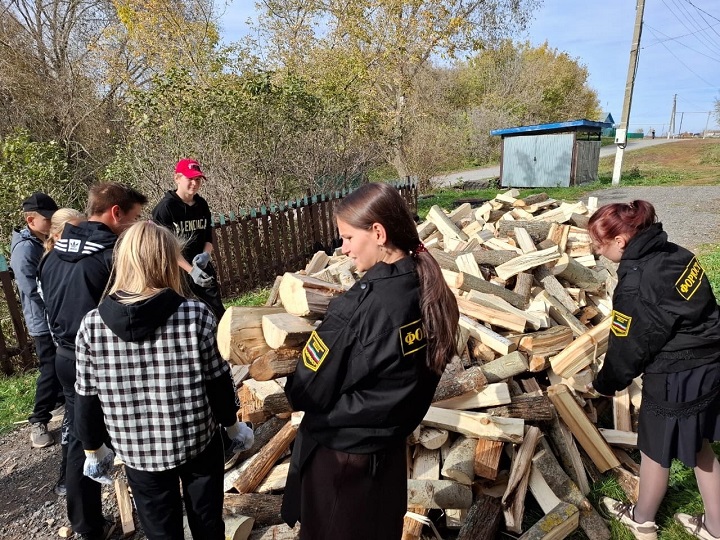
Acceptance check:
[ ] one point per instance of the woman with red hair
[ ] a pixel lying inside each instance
(665, 327)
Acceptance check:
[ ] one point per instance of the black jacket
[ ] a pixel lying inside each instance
(363, 381)
(665, 316)
(73, 277)
(190, 223)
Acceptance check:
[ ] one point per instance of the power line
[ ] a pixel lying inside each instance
(662, 42)
(708, 41)
(683, 63)
(677, 37)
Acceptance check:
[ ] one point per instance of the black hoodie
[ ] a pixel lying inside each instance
(73, 277)
(190, 223)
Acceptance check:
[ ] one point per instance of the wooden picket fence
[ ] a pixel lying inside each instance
(255, 247)
(12, 324)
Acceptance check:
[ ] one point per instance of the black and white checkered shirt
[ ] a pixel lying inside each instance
(152, 392)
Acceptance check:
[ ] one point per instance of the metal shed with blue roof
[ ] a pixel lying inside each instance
(562, 154)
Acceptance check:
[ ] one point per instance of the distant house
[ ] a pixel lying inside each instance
(561, 154)
(609, 131)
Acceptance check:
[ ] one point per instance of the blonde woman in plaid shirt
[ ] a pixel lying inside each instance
(149, 372)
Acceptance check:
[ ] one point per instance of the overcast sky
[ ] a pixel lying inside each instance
(680, 53)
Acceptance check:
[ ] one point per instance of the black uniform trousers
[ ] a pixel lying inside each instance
(48, 386)
(354, 496)
(84, 505)
(209, 295)
(159, 503)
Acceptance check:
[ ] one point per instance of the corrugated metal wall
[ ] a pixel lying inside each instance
(537, 160)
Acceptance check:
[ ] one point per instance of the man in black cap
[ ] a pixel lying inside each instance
(27, 247)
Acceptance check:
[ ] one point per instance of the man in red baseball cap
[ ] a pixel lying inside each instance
(187, 214)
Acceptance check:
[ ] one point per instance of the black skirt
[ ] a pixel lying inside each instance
(679, 411)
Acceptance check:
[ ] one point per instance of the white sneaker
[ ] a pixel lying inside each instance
(695, 525)
(623, 512)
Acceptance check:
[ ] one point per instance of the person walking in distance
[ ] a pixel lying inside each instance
(187, 214)
(149, 370)
(73, 277)
(367, 376)
(665, 327)
(26, 251)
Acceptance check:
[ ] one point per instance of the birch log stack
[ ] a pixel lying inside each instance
(510, 415)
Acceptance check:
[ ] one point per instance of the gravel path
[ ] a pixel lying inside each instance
(690, 215)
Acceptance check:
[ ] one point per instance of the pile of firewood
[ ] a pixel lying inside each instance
(510, 414)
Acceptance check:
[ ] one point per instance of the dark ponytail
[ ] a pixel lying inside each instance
(382, 203)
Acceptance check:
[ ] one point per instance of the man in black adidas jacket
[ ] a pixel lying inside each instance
(73, 277)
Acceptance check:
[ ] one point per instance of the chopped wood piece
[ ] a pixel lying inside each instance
(445, 224)
(486, 336)
(513, 499)
(283, 330)
(491, 316)
(269, 394)
(276, 532)
(583, 351)
(239, 335)
(470, 380)
(318, 262)
(275, 364)
(623, 439)
(544, 495)
(572, 271)
(487, 458)
(547, 341)
(467, 264)
(493, 394)
(584, 431)
(562, 315)
(554, 289)
(533, 320)
(482, 521)
(506, 366)
(458, 465)
(621, 411)
(528, 407)
(273, 297)
(263, 507)
(265, 459)
(474, 424)
(305, 295)
(559, 523)
(439, 494)
(466, 282)
(538, 230)
(526, 262)
(523, 286)
(125, 507)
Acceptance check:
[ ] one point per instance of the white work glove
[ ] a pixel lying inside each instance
(242, 437)
(201, 260)
(200, 277)
(98, 464)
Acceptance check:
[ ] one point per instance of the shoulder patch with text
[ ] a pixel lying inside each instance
(412, 337)
(620, 324)
(690, 279)
(314, 352)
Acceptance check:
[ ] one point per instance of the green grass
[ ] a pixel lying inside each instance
(17, 396)
(256, 297)
(710, 259)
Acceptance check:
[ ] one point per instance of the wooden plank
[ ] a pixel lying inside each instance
(265, 459)
(493, 395)
(495, 317)
(125, 507)
(559, 523)
(526, 262)
(487, 458)
(486, 336)
(466, 282)
(621, 411)
(583, 351)
(444, 224)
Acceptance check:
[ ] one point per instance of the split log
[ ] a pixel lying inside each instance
(250, 409)
(472, 424)
(445, 224)
(263, 507)
(531, 199)
(429, 437)
(558, 234)
(528, 407)
(482, 521)
(526, 262)
(265, 459)
(486, 336)
(590, 521)
(466, 263)
(573, 272)
(559, 523)
(458, 465)
(238, 527)
(438, 494)
(494, 394)
(568, 453)
(629, 483)
(585, 432)
(270, 395)
(554, 289)
(621, 411)
(491, 316)
(125, 507)
(623, 439)
(534, 320)
(305, 295)
(479, 352)
(524, 241)
(263, 434)
(541, 491)
(276, 532)
(583, 351)
(274, 295)
(284, 330)
(505, 367)
(523, 286)
(318, 262)
(513, 499)
(487, 458)
(547, 341)
(466, 282)
(538, 230)
(275, 480)
(239, 334)
(275, 364)
(471, 380)
(562, 315)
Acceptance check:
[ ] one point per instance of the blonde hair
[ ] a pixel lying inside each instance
(146, 262)
(59, 219)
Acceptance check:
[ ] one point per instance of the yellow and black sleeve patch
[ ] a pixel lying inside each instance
(412, 337)
(689, 281)
(314, 352)
(620, 324)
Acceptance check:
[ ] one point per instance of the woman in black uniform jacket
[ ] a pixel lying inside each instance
(666, 326)
(367, 376)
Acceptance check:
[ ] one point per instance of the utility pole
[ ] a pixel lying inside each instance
(621, 132)
(707, 124)
(682, 114)
(671, 129)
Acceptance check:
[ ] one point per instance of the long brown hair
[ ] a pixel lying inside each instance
(621, 219)
(381, 203)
